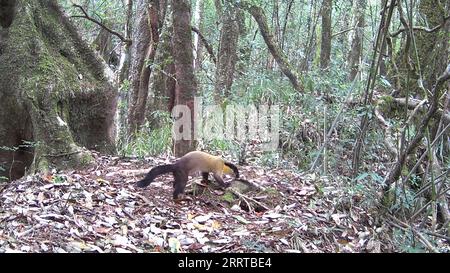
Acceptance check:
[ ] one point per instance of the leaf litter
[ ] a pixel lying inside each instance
(100, 210)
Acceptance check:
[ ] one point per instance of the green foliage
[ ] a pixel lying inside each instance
(270, 159)
(404, 198)
(406, 242)
(415, 181)
(228, 197)
(150, 141)
(366, 184)
(126, 86)
(270, 191)
(58, 179)
(372, 177)
(221, 145)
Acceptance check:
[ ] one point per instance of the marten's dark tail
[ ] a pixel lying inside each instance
(233, 167)
(153, 173)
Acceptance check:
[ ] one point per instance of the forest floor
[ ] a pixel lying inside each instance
(100, 210)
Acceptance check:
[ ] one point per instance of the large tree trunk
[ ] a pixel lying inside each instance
(54, 91)
(357, 43)
(186, 86)
(227, 56)
(325, 48)
(433, 47)
(275, 50)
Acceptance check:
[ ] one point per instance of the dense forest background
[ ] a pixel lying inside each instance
(362, 89)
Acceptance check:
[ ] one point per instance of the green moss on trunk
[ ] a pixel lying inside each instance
(59, 82)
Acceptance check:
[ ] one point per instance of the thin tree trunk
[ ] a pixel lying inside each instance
(159, 96)
(149, 25)
(357, 43)
(197, 41)
(124, 74)
(286, 18)
(325, 48)
(274, 49)
(141, 43)
(277, 30)
(310, 44)
(124, 64)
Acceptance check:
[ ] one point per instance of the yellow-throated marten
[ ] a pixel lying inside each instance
(189, 164)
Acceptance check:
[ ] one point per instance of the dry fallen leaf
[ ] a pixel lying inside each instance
(174, 245)
(202, 218)
(102, 230)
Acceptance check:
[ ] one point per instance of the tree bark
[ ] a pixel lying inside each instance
(325, 48)
(124, 75)
(147, 41)
(433, 48)
(103, 44)
(141, 43)
(229, 37)
(162, 75)
(357, 43)
(54, 91)
(274, 49)
(218, 6)
(186, 86)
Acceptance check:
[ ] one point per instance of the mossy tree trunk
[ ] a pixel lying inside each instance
(54, 91)
(433, 47)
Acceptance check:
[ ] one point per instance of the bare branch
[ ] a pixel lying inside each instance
(420, 28)
(207, 45)
(86, 16)
(343, 32)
